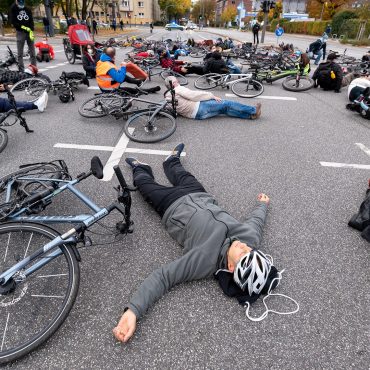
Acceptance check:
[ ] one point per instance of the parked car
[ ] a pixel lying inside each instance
(173, 26)
(191, 26)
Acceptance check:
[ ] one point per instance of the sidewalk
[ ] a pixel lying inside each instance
(298, 40)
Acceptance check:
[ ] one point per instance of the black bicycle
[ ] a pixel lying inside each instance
(10, 118)
(153, 123)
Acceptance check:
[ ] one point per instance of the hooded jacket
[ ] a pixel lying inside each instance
(21, 17)
(205, 231)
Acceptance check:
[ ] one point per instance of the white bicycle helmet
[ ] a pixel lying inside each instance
(252, 271)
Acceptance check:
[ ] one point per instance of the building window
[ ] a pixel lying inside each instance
(141, 15)
(126, 3)
(141, 4)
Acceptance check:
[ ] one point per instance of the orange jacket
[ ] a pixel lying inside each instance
(102, 77)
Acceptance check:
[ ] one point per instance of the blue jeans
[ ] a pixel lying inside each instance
(318, 57)
(232, 67)
(5, 106)
(211, 108)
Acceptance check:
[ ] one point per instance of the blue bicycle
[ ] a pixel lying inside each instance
(39, 267)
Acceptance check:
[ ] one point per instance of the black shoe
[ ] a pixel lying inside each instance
(133, 162)
(177, 150)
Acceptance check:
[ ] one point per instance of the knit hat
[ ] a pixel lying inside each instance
(332, 56)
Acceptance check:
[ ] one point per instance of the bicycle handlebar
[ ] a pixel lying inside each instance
(121, 179)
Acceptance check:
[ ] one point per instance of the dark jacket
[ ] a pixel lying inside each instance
(205, 231)
(21, 17)
(322, 76)
(215, 65)
(89, 63)
(316, 46)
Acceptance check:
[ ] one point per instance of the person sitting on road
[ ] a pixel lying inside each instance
(89, 60)
(202, 105)
(317, 49)
(178, 66)
(211, 65)
(366, 57)
(215, 243)
(329, 75)
(108, 76)
(45, 51)
(143, 54)
(40, 103)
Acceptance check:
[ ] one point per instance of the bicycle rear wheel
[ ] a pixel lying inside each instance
(303, 84)
(40, 301)
(29, 89)
(247, 88)
(139, 129)
(182, 80)
(23, 189)
(101, 105)
(208, 81)
(3, 140)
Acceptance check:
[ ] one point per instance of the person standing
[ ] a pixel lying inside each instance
(255, 29)
(46, 24)
(22, 20)
(95, 27)
(121, 25)
(114, 25)
(151, 27)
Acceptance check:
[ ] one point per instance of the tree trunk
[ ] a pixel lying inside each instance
(77, 10)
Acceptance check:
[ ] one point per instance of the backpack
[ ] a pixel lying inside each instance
(256, 27)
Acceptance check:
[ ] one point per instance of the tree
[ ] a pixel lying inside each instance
(174, 8)
(325, 9)
(275, 13)
(205, 8)
(229, 14)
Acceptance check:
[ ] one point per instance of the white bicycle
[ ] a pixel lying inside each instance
(242, 84)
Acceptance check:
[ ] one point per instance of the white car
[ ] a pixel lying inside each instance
(191, 26)
(173, 26)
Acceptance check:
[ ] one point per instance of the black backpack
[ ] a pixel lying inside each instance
(256, 27)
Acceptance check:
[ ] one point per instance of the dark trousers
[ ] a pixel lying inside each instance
(355, 93)
(5, 105)
(255, 36)
(22, 38)
(160, 196)
(198, 70)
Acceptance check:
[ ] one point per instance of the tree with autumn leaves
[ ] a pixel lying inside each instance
(175, 8)
(229, 14)
(325, 9)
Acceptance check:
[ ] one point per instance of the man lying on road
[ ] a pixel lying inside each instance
(214, 242)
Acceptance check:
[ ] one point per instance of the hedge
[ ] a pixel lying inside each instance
(308, 28)
(350, 27)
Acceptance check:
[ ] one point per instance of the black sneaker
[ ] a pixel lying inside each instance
(133, 162)
(177, 150)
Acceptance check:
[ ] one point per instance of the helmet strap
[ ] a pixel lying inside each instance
(264, 315)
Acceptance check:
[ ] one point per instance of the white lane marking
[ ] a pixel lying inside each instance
(45, 276)
(93, 88)
(47, 296)
(51, 67)
(60, 64)
(363, 148)
(115, 157)
(267, 97)
(42, 69)
(6, 328)
(111, 148)
(345, 165)
(85, 147)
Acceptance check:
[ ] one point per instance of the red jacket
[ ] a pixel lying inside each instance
(42, 45)
(175, 65)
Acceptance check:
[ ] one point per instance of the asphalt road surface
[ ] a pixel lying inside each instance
(195, 326)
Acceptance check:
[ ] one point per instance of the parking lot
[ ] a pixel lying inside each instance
(307, 152)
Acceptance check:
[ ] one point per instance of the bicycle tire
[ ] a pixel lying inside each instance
(207, 82)
(247, 88)
(69, 52)
(290, 83)
(38, 291)
(180, 78)
(29, 89)
(3, 140)
(101, 105)
(135, 127)
(26, 188)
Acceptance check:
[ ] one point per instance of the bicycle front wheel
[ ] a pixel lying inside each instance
(101, 105)
(182, 80)
(208, 81)
(303, 84)
(144, 128)
(247, 88)
(3, 140)
(39, 302)
(29, 89)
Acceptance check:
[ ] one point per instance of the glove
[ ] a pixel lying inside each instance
(31, 35)
(26, 28)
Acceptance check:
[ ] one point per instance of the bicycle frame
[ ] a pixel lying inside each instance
(69, 237)
(222, 80)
